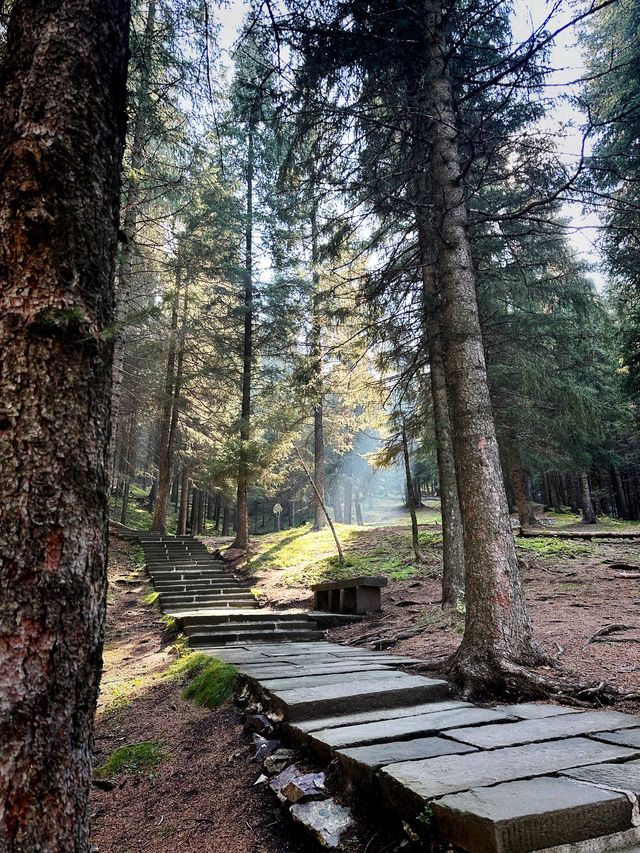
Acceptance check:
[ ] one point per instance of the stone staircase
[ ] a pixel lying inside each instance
(211, 605)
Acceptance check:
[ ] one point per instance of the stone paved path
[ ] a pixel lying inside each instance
(507, 779)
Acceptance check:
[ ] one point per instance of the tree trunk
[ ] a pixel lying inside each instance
(620, 494)
(242, 513)
(415, 536)
(195, 501)
(202, 502)
(588, 512)
(153, 491)
(225, 520)
(129, 462)
(358, 505)
(316, 354)
(452, 533)
(62, 124)
(184, 502)
(165, 459)
(337, 503)
(124, 275)
(348, 499)
(526, 516)
(498, 630)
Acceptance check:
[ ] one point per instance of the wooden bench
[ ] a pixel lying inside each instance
(356, 595)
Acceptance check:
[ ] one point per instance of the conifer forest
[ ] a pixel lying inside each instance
(319, 403)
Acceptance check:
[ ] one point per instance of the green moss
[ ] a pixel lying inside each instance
(135, 758)
(209, 681)
(169, 622)
(547, 547)
(152, 599)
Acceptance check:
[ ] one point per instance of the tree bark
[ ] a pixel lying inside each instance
(62, 124)
(129, 461)
(337, 503)
(242, 512)
(588, 512)
(358, 506)
(165, 458)
(620, 494)
(526, 516)
(184, 502)
(129, 223)
(316, 355)
(453, 579)
(415, 536)
(498, 629)
(348, 499)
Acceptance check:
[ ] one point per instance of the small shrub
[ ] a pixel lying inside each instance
(135, 758)
(209, 681)
(426, 816)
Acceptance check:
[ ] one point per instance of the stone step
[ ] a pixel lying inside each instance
(548, 728)
(619, 777)
(194, 566)
(310, 702)
(361, 763)
(233, 627)
(518, 817)
(207, 618)
(214, 638)
(407, 786)
(196, 583)
(406, 728)
(221, 603)
(193, 574)
(205, 598)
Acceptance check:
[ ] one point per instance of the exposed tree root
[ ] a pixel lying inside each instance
(601, 633)
(480, 679)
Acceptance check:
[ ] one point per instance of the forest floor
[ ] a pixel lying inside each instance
(574, 589)
(187, 784)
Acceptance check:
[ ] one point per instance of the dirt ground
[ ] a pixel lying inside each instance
(570, 599)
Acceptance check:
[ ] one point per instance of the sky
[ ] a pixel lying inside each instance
(563, 119)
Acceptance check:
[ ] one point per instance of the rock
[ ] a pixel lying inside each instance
(278, 760)
(305, 785)
(278, 782)
(259, 723)
(326, 820)
(263, 747)
(261, 779)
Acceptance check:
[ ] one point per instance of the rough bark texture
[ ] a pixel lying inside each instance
(411, 503)
(62, 100)
(242, 512)
(184, 502)
(165, 456)
(588, 511)
(526, 516)
(129, 222)
(318, 410)
(452, 532)
(498, 630)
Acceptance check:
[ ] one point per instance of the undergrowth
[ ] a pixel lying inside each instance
(135, 758)
(209, 681)
(546, 547)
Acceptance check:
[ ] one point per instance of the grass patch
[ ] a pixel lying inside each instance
(302, 557)
(152, 599)
(209, 681)
(544, 547)
(135, 758)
